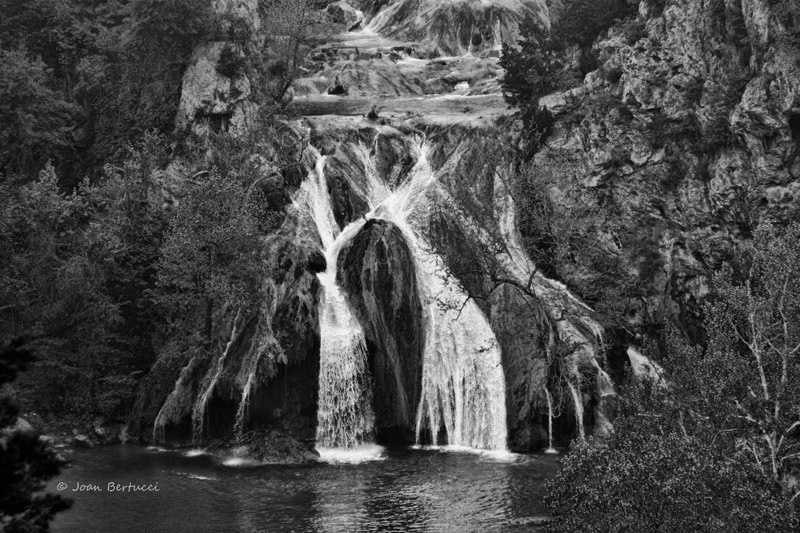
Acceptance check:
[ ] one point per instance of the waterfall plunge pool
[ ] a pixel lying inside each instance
(432, 490)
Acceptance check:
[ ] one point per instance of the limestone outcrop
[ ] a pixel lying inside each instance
(680, 143)
(215, 96)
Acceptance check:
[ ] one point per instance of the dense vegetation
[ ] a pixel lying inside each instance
(712, 444)
(97, 267)
(26, 461)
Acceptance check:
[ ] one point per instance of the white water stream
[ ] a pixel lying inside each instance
(463, 388)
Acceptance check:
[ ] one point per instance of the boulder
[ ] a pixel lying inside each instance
(211, 101)
(343, 13)
(269, 446)
(82, 441)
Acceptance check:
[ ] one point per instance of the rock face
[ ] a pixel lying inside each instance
(215, 98)
(682, 142)
(210, 100)
(376, 270)
(454, 27)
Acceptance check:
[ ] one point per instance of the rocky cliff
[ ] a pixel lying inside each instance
(683, 139)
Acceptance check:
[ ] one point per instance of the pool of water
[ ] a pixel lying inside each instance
(403, 490)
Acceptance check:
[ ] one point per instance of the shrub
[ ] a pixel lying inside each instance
(584, 21)
(640, 480)
(715, 450)
(26, 461)
(231, 63)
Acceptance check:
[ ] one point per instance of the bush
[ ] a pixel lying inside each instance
(35, 121)
(584, 21)
(26, 461)
(231, 63)
(716, 449)
(640, 480)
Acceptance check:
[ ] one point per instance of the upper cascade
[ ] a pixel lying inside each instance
(458, 27)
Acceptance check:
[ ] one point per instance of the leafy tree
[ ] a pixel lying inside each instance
(136, 80)
(717, 448)
(174, 27)
(35, 121)
(292, 27)
(533, 70)
(583, 21)
(210, 259)
(752, 366)
(26, 461)
(645, 477)
(75, 282)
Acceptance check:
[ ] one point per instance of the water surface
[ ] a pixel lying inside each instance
(406, 490)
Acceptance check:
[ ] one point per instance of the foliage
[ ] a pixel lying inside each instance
(210, 257)
(583, 21)
(84, 79)
(137, 79)
(534, 69)
(73, 281)
(539, 65)
(173, 26)
(753, 360)
(717, 448)
(292, 26)
(35, 121)
(230, 63)
(26, 461)
(649, 478)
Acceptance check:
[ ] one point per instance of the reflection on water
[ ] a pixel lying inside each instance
(409, 490)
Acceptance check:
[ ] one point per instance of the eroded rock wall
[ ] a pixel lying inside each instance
(680, 144)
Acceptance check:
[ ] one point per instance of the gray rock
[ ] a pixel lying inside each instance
(82, 441)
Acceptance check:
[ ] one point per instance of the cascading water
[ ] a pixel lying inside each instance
(463, 387)
(549, 397)
(199, 411)
(578, 405)
(344, 415)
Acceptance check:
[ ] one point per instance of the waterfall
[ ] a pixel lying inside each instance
(199, 411)
(550, 448)
(578, 403)
(241, 411)
(463, 386)
(344, 415)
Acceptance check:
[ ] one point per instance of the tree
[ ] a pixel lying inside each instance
(35, 121)
(533, 69)
(292, 26)
(539, 64)
(210, 258)
(26, 461)
(718, 448)
(645, 477)
(74, 283)
(583, 21)
(752, 366)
